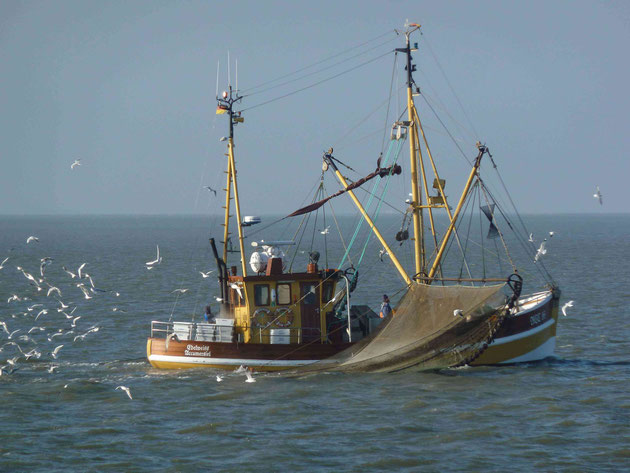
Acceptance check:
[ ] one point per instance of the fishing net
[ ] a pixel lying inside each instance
(424, 334)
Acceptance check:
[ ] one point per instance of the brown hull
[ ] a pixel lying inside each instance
(260, 357)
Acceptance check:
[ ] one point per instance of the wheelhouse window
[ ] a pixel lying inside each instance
(261, 294)
(284, 294)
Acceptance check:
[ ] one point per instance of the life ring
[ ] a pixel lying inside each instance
(283, 311)
(258, 317)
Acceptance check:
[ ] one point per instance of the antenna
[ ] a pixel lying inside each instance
(236, 61)
(217, 93)
(229, 83)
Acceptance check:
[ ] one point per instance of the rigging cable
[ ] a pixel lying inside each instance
(316, 83)
(319, 71)
(449, 85)
(317, 63)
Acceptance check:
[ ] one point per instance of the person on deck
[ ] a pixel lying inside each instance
(386, 309)
(209, 316)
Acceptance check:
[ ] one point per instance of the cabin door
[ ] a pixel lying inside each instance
(309, 308)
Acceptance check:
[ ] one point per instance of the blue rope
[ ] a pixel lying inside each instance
(380, 202)
(392, 144)
(367, 207)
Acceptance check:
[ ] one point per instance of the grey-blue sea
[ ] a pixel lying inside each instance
(567, 413)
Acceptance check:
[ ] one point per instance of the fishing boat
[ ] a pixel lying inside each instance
(271, 317)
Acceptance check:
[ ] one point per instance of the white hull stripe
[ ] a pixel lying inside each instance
(539, 353)
(527, 333)
(206, 360)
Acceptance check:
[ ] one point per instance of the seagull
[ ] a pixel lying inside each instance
(598, 195)
(237, 289)
(77, 162)
(56, 334)
(72, 275)
(565, 307)
(52, 289)
(551, 234)
(56, 351)
(69, 316)
(14, 297)
(382, 253)
(4, 326)
(325, 230)
(4, 261)
(240, 369)
(180, 291)
(74, 321)
(172, 336)
(156, 261)
(219, 378)
(41, 312)
(85, 292)
(211, 190)
(541, 250)
(62, 307)
(531, 238)
(32, 329)
(126, 389)
(218, 299)
(116, 309)
(205, 275)
(43, 263)
(458, 312)
(34, 306)
(32, 238)
(250, 378)
(52, 368)
(33, 353)
(13, 333)
(79, 270)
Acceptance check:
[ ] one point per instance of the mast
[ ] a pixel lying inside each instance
(226, 105)
(415, 191)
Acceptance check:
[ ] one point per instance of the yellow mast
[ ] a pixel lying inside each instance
(226, 224)
(226, 106)
(369, 221)
(451, 227)
(415, 192)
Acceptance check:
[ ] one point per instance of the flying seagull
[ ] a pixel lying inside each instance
(565, 307)
(180, 291)
(4, 261)
(156, 261)
(237, 289)
(211, 190)
(219, 378)
(126, 389)
(541, 250)
(325, 230)
(77, 162)
(56, 351)
(80, 269)
(531, 238)
(206, 275)
(32, 238)
(382, 253)
(598, 195)
(72, 275)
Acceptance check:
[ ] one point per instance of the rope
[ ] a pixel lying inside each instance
(316, 83)
(321, 70)
(318, 62)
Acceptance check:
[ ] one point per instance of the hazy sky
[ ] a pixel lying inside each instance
(129, 88)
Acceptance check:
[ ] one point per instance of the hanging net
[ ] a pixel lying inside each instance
(433, 327)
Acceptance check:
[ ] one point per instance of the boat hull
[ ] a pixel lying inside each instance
(529, 335)
(259, 357)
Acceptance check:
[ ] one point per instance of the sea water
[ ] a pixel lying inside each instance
(567, 413)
